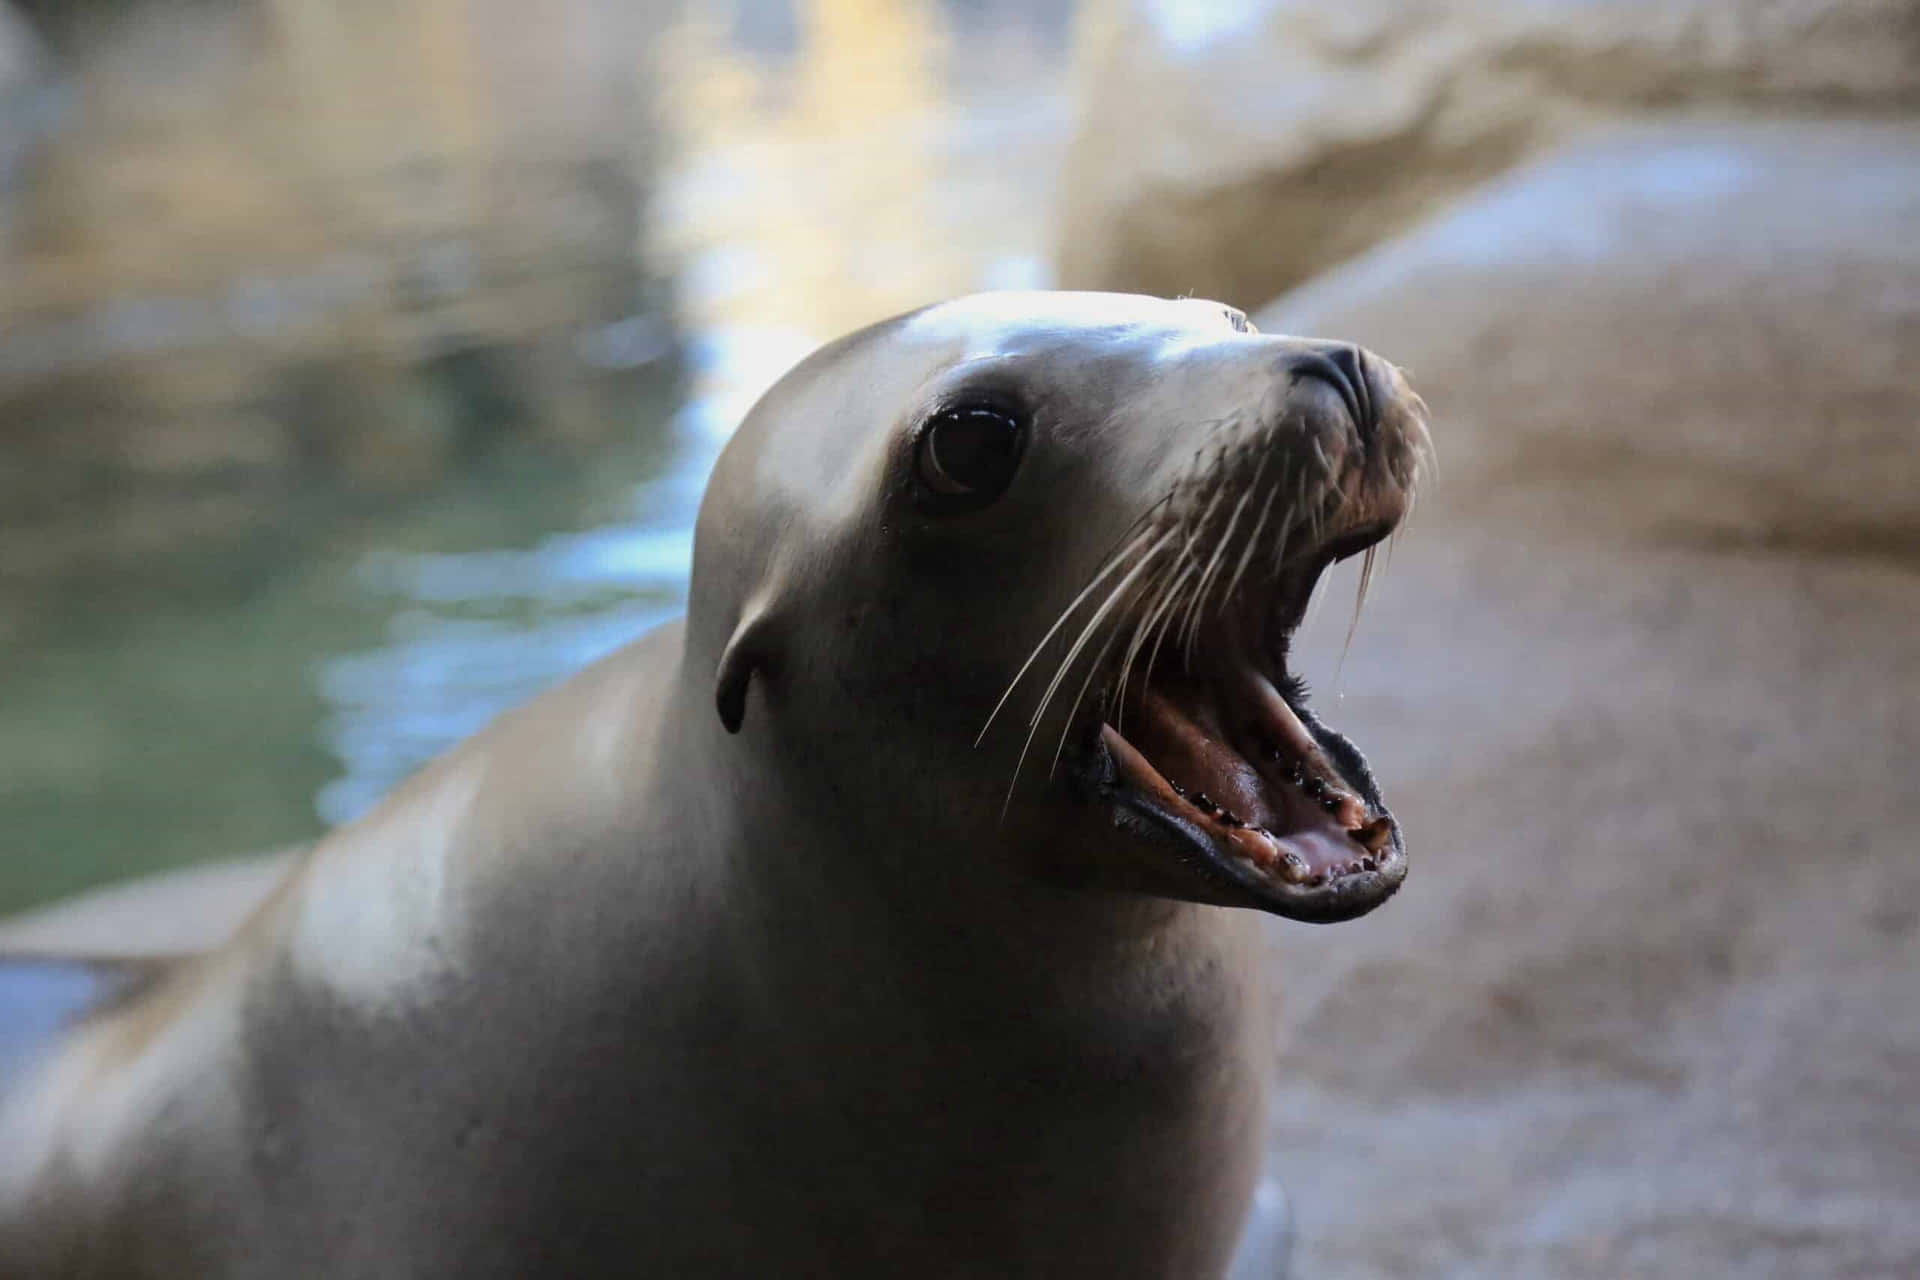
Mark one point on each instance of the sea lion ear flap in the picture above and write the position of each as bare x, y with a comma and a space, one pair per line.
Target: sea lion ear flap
746, 653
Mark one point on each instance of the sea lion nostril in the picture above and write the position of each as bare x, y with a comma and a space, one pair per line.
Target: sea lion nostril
1341, 368
1352, 362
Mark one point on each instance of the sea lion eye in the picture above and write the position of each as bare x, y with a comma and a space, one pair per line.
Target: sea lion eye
966, 457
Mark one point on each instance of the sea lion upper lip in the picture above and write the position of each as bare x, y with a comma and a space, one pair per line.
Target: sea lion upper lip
1352, 539
1295, 587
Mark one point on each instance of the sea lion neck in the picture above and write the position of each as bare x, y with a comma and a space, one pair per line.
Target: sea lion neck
799, 863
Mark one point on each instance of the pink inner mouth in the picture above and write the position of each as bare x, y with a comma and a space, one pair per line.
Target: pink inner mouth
1232, 756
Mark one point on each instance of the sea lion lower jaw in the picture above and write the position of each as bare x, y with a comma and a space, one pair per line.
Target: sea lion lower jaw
1317, 874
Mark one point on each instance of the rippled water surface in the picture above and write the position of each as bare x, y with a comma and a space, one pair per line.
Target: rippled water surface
361, 366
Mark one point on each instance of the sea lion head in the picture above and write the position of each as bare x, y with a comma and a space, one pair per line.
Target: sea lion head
1010, 581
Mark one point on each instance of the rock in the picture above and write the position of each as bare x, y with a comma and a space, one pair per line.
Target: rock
1639, 681
1702, 333
28, 104
1237, 155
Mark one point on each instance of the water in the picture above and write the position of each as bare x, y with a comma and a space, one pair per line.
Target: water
361, 366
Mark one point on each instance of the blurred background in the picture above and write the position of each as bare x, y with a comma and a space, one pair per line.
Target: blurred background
361, 364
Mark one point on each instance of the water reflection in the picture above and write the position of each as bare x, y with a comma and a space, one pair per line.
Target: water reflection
403, 337
545, 611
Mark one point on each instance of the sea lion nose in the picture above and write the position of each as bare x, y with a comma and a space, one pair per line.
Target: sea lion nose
1342, 366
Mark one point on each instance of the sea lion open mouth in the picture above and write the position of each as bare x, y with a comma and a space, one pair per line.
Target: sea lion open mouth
1217, 756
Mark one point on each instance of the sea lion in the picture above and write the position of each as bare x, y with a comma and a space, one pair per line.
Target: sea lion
869, 921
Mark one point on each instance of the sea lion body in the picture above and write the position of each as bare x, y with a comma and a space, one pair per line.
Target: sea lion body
628, 985
280, 1110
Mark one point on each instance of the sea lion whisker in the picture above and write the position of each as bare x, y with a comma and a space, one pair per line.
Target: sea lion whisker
1066, 726
1194, 530
1253, 543
1112, 562
1190, 622
1114, 595
1199, 523
1176, 620
1426, 460
1197, 613
1166, 594
1220, 551
1233, 522
1152, 591
1118, 591
1143, 616
1143, 628
1176, 601
1309, 512
1359, 603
